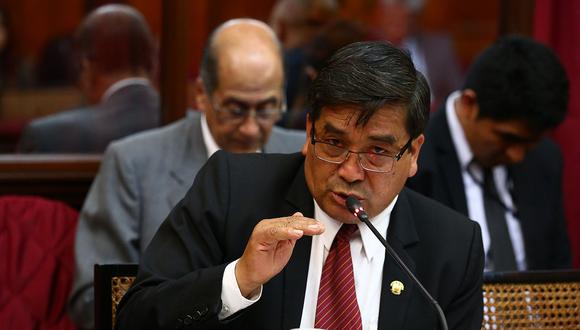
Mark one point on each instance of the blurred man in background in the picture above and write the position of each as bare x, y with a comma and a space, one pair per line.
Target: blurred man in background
296, 23
432, 53
118, 59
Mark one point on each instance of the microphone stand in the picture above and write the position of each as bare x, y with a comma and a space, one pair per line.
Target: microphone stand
356, 208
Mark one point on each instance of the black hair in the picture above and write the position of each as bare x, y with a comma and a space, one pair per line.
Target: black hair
369, 76
519, 78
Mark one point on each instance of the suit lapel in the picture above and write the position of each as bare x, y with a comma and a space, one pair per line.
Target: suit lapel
448, 162
186, 157
401, 234
296, 271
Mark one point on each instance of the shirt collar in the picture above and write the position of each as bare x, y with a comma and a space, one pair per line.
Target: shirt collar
462, 147
464, 152
122, 84
371, 245
210, 144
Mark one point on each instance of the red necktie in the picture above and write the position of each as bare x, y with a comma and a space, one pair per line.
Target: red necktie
337, 306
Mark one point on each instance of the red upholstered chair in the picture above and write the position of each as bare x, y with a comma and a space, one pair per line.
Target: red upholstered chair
36, 262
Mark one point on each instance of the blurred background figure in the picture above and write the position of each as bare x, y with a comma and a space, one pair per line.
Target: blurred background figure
433, 53
296, 22
326, 42
117, 59
6, 64
9, 129
57, 65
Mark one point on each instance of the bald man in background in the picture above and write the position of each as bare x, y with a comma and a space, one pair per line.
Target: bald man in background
240, 93
117, 58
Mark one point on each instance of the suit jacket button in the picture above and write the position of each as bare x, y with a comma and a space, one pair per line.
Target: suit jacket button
187, 320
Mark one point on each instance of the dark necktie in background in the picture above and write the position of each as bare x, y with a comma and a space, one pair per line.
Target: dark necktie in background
501, 251
337, 306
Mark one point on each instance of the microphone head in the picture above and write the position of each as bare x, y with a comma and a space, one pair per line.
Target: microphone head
352, 204
355, 206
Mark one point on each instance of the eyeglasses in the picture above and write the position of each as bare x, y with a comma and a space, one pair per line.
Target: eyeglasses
236, 113
370, 161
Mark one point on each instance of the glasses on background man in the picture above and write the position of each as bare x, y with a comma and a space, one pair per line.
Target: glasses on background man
236, 112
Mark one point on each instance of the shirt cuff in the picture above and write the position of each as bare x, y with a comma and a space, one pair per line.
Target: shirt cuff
232, 299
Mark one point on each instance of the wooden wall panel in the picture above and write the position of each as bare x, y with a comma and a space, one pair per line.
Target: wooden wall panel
34, 22
204, 16
471, 24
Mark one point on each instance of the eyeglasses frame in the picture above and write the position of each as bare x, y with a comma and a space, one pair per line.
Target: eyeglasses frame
396, 157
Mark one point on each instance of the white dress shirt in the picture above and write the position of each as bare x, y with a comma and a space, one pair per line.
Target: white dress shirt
474, 191
210, 144
368, 256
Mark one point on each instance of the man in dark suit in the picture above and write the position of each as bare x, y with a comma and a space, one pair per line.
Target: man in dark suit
245, 248
117, 58
514, 94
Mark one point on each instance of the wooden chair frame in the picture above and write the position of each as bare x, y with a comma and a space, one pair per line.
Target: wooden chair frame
111, 282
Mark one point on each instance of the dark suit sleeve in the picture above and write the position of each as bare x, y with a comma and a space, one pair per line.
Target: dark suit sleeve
180, 275
466, 309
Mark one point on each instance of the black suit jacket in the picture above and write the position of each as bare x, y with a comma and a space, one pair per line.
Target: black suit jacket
180, 275
130, 109
537, 192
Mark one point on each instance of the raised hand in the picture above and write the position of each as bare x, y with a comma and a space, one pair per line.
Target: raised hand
269, 249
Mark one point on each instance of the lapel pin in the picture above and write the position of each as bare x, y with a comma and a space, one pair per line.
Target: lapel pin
397, 287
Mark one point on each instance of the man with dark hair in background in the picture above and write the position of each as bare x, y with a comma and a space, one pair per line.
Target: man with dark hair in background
265, 241
296, 23
118, 58
325, 43
142, 177
486, 155
433, 53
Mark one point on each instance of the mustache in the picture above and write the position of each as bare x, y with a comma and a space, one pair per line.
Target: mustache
346, 189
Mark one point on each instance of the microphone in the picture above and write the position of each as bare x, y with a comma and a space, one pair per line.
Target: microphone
354, 206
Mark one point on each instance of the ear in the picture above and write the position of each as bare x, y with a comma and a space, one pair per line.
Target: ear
308, 132
310, 72
414, 153
468, 104
92, 81
281, 30
201, 98
85, 76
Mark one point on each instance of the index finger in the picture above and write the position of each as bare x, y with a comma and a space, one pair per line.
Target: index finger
293, 227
